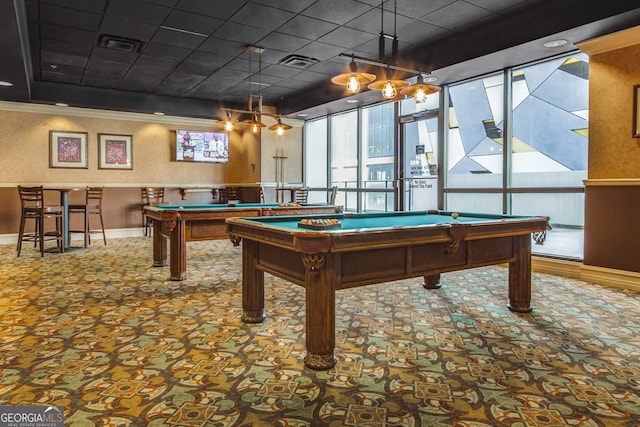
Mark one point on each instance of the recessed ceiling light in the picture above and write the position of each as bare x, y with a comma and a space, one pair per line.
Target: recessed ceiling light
302, 114
429, 79
61, 104
556, 43
159, 113
352, 101
5, 83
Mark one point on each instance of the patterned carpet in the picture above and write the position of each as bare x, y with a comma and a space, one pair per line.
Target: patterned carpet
105, 335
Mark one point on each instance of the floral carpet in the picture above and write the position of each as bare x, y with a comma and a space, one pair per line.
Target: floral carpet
108, 337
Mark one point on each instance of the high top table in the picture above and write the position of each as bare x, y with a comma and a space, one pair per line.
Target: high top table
64, 202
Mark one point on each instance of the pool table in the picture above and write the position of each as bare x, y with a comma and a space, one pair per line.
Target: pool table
185, 223
373, 248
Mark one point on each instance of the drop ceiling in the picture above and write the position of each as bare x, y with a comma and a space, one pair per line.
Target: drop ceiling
190, 57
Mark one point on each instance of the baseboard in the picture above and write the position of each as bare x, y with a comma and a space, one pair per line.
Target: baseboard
609, 277
114, 233
558, 267
587, 273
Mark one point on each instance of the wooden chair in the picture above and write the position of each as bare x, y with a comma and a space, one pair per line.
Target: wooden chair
91, 206
333, 193
228, 193
302, 195
151, 196
33, 207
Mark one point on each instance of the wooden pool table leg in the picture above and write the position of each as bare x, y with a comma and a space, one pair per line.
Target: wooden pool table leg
321, 316
178, 261
159, 245
432, 281
252, 284
520, 275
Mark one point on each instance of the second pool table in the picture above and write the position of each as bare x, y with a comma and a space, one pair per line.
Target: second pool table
375, 248
185, 223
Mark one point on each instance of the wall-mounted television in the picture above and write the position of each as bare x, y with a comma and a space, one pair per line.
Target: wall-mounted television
199, 146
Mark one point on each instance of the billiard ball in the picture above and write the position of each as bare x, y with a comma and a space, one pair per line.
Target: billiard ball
454, 215
180, 208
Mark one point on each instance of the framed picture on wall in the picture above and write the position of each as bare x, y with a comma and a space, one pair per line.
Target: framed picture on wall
68, 149
115, 151
636, 111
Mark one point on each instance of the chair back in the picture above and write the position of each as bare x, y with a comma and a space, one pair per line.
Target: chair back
333, 194
228, 193
31, 198
94, 196
302, 195
153, 195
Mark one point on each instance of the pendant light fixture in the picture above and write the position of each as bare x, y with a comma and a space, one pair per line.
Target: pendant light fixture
255, 122
353, 80
280, 127
389, 87
420, 90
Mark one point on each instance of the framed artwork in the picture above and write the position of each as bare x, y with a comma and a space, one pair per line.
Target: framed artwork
115, 151
636, 111
68, 149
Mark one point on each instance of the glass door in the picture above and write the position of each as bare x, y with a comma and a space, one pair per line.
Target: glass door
420, 180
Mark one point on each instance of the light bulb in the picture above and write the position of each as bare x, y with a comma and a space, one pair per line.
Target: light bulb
353, 85
228, 126
389, 90
279, 131
255, 128
420, 95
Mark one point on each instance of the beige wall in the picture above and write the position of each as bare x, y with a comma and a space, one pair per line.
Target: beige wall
613, 153
24, 144
612, 191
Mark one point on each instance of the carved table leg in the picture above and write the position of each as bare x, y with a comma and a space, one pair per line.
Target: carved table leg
252, 284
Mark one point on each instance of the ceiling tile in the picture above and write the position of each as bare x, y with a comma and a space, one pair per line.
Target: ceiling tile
456, 14
61, 77
69, 17
65, 47
311, 76
306, 27
281, 71
371, 22
94, 6
320, 50
283, 42
347, 37
161, 50
257, 15
290, 5
106, 69
176, 38
336, 11
114, 55
240, 33
418, 31
117, 26
222, 9
222, 47
201, 63
193, 22
137, 11
66, 34
62, 59
177, 84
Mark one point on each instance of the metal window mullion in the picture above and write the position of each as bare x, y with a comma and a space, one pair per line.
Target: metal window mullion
359, 169
443, 142
507, 141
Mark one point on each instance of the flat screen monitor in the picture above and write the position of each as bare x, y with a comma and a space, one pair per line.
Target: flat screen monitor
199, 146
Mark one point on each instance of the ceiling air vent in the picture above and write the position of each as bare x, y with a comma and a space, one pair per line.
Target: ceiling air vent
298, 61
119, 43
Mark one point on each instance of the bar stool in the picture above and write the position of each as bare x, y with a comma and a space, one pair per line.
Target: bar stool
302, 195
152, 196
33, 207
92, 206
333, 194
